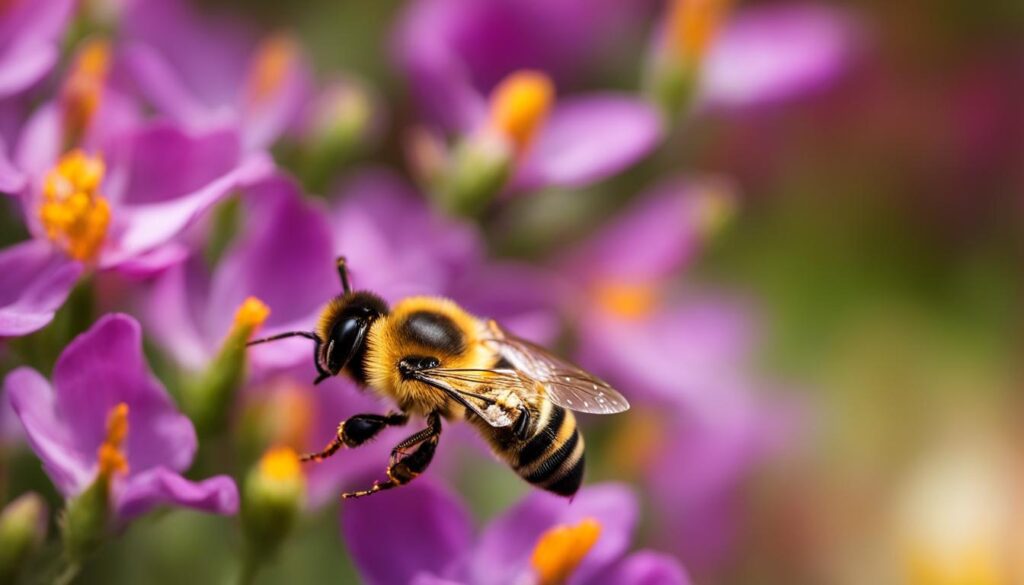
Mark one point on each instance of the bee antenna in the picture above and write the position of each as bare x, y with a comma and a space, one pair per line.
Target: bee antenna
306, 334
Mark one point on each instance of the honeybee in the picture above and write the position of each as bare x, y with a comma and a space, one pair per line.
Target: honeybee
435, 360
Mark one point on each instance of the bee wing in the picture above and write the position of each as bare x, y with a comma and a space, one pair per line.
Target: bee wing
566, 385
472, 389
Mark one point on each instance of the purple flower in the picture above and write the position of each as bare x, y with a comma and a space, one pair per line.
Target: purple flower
122, 209
208, 71
482, 72
635, 328
543, 539
106, 414
30, 36
752, 56
283, 256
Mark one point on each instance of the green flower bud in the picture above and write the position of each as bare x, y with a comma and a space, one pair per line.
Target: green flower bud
477, 171
208, 397
86, 520
22, 532
343, 122
273, 494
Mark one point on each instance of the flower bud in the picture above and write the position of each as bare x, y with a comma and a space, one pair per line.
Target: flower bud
478, 169
86, 520
343, 121
208, 398
22, 532
272, 496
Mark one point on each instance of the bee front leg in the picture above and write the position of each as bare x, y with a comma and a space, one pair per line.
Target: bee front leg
407, 467
356, 430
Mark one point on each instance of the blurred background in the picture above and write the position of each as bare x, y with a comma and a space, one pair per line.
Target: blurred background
870, 258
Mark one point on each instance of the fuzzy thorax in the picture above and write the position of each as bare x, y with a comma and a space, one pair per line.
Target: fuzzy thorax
423, 327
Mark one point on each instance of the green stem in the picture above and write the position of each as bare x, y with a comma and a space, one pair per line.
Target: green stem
68, 573
250, 568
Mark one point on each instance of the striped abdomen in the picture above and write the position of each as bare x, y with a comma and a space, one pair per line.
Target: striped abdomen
552, 457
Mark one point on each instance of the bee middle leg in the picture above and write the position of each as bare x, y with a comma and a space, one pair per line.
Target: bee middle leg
356, 430
405, 467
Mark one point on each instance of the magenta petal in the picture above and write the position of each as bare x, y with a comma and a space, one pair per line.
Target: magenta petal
396, 535
284, 257
161, 84
33, 402
774, 52
22, 67
645, 568
29, 41
646, 242
12, 180
507, 542
104, 367
37, 281
146, 226
587, 139
159, 486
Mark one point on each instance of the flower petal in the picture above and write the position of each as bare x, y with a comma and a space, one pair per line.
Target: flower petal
105, 366
507, 542
160, 486
650, 240
37, 281
31, 33
645, 568
147, 225
285, 258
587, 139
32, 398
774, 52
396, 535
12, 180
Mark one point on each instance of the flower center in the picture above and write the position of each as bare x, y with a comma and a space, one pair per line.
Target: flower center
73, 214
561, 549
280, 463
628, 300
83, 89
692, 26
519, 105
274, 57
110, 454
251, 314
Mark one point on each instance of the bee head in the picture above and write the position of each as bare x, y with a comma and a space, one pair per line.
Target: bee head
341, 333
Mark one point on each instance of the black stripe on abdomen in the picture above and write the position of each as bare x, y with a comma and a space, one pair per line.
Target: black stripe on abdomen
537, 446
554, 465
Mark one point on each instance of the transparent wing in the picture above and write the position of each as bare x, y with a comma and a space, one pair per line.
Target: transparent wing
475, 389
567, 385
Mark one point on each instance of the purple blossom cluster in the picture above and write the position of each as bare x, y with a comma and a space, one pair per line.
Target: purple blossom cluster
165, 160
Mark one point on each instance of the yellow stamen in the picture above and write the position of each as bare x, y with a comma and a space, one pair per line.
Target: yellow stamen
110, 454
519, 106
561, 549
83, 89
274, 58
692, 26
280, 463
252, 313
73, 214
632, 301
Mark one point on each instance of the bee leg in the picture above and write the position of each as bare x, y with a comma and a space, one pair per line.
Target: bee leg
408, 466
356, 430
433, 429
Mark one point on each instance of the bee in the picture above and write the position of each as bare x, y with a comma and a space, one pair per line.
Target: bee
434, 360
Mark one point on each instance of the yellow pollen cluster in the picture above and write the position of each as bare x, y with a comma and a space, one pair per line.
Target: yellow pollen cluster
110, 454
692, 26
519, 106
270, 66
280, 463
252, 313
628, 300
73, 214
561, 549
83, 88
